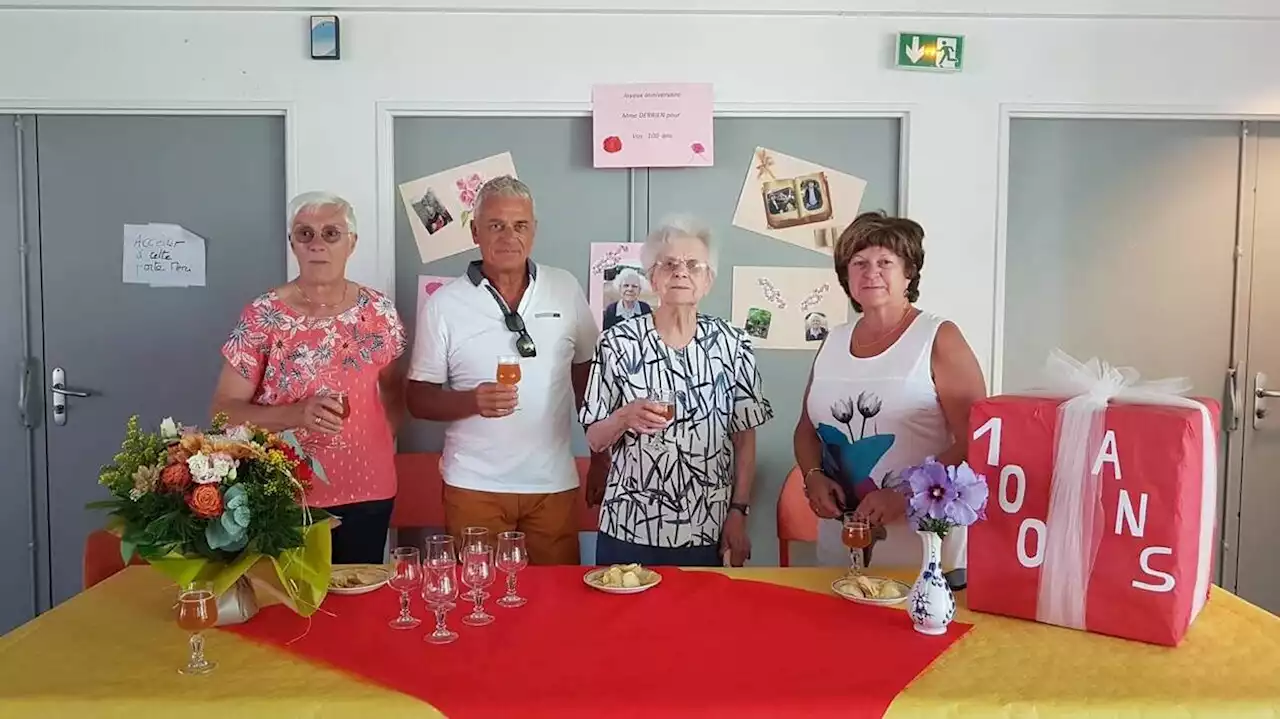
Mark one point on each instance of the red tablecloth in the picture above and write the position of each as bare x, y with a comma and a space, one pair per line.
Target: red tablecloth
699, 644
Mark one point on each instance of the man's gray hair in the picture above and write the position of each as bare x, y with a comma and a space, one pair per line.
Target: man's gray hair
674, 228
315, 200
502, 186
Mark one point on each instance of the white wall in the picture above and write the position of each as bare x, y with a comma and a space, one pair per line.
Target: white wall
1145, 56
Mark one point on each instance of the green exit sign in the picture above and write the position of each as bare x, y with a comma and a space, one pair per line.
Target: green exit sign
918, 51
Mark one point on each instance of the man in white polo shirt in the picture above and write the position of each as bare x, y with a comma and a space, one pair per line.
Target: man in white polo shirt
508, 461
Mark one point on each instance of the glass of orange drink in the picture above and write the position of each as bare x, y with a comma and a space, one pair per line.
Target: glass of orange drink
197, 611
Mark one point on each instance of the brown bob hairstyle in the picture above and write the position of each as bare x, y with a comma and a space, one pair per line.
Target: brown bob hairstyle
899, 235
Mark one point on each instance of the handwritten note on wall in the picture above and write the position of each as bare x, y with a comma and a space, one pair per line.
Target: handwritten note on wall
162, 255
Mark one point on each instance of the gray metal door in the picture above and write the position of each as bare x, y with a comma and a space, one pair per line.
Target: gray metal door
1121, 245
867, 148
1257, 569
17, 533
152, 352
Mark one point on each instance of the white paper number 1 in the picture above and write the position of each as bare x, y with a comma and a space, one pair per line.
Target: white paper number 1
1014, 473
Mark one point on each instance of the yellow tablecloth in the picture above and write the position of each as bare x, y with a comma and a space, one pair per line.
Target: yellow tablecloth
114, 650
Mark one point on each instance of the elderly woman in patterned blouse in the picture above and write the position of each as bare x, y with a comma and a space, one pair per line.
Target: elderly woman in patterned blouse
319, 355
679, 487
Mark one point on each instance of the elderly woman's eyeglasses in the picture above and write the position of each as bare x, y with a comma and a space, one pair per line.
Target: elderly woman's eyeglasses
673, 265
307, 235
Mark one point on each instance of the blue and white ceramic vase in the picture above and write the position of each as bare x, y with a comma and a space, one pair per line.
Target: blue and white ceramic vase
930, 602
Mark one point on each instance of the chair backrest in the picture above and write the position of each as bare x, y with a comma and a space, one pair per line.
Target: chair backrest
796, 520
102, 557
420, 493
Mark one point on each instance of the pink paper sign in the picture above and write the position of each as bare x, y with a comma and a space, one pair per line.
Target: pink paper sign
652, 125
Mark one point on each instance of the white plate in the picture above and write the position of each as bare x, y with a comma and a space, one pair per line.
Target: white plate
591, 577
364, 588
842, 588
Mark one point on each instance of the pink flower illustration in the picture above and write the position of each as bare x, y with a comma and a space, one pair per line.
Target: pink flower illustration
468, 188
697, 148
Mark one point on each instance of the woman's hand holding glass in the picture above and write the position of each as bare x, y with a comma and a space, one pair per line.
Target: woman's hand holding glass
643, 416
826, 497
319, 413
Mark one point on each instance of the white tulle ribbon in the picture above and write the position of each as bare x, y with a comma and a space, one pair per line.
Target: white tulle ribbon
1074, 526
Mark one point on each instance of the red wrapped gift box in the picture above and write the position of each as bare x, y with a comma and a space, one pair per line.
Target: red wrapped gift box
1146, 573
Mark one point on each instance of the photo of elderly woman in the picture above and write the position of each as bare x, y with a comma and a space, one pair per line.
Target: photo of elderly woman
622, 294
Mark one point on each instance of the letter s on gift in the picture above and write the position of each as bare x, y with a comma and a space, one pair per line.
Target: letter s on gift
1167, 582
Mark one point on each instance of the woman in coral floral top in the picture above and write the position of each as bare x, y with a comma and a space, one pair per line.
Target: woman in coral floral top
297, 347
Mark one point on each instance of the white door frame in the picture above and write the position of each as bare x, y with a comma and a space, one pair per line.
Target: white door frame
1229, 520
388, 111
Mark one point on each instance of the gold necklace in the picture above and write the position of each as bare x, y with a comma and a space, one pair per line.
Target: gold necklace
863, 345
323, 305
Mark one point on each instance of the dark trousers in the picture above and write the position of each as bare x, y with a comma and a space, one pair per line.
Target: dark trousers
362, 536
615, 551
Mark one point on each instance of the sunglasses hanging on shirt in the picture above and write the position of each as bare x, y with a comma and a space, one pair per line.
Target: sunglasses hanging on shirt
515, 323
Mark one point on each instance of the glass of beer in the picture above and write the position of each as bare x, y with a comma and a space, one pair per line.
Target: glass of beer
345, 412
856, 535
197, 611
509, 371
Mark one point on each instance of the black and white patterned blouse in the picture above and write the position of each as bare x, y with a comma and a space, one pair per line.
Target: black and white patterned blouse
672, 489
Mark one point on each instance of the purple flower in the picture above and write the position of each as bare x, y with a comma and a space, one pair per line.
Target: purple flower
971, 495
931, 490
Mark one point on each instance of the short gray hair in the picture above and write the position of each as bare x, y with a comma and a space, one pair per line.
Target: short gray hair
502, 186
629, 273
314, 200
674, 228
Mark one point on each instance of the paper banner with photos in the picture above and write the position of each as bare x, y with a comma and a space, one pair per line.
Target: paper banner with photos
787, 308
797, 201
618, 288
427, 286
439, 206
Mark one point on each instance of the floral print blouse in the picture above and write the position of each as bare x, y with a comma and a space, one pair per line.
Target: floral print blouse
290, 357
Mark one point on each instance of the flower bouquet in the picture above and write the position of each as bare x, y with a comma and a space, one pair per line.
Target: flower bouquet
940, 499
207, 506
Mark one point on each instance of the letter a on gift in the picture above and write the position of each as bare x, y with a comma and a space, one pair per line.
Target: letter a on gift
1108, 453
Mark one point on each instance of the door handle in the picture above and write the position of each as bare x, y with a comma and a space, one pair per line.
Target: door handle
1260, 391
1233, 396
58, 386
24, 393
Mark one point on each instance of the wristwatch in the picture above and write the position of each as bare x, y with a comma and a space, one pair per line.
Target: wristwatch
744, 508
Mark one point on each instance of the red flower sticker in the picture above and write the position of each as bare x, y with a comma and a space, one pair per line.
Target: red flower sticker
612, 144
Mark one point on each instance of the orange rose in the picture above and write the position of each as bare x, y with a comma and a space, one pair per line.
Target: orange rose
175, 477
205, 501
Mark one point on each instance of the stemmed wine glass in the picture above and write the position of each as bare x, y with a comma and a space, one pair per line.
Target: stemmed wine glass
856, 535
440, 585
512, 557
664, 403
477, 537
406, 576
197, 611
477, 573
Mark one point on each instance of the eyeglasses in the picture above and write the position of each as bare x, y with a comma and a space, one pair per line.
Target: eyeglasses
307, 235
515, 323
691, 266
524, 343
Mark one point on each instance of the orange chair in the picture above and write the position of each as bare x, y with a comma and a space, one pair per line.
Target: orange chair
796, 520
420, 493
102, 557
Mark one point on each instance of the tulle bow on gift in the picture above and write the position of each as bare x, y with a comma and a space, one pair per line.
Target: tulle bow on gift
1074, 526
